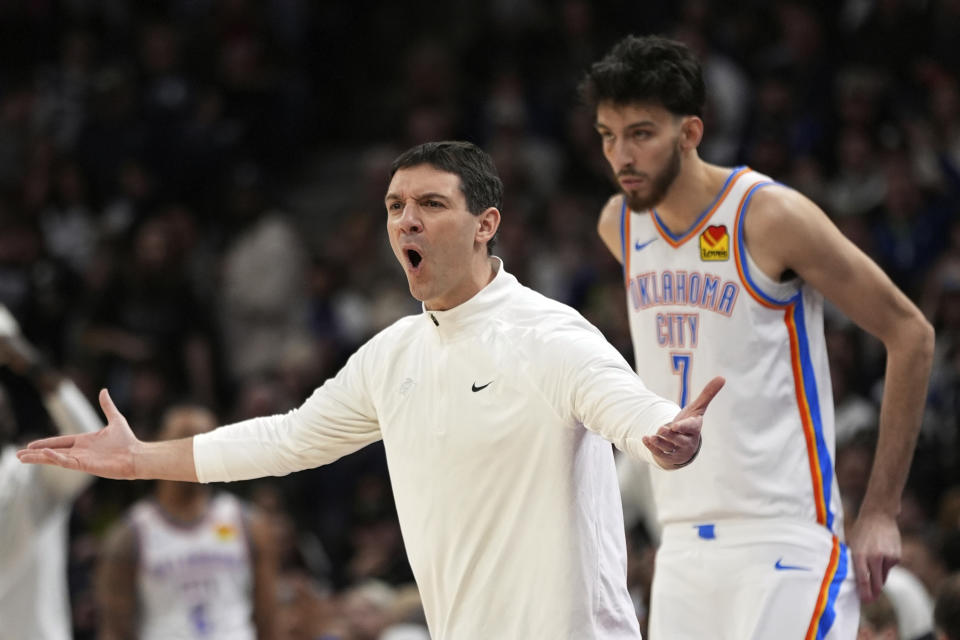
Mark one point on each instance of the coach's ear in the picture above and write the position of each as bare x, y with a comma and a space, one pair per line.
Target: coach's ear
691, 133
487, 224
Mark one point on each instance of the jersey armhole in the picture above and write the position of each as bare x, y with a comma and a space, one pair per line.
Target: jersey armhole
758, 284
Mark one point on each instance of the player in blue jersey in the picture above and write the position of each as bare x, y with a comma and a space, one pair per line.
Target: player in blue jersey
726, 270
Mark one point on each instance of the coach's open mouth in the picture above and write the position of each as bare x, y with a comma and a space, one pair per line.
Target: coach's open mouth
414, 257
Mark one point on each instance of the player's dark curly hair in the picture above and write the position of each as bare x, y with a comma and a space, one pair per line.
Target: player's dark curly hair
647, 69
479, 180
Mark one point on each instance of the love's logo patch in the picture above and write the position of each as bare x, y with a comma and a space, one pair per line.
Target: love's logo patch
715, 243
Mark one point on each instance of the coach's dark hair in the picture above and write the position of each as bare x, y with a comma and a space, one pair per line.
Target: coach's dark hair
647, 69
479, 181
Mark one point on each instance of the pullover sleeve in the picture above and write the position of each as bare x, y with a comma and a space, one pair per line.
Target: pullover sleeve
590, 380
337, 419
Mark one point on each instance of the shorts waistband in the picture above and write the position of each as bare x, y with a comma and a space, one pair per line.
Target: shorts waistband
744, 531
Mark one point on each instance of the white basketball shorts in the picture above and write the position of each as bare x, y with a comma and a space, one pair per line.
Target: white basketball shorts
753, 580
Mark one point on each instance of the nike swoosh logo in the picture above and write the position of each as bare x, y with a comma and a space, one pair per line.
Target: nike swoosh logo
476, 388
779, 566
637, 246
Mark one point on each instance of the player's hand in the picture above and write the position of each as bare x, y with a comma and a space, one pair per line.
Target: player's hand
875, 546
108, 453
676, 444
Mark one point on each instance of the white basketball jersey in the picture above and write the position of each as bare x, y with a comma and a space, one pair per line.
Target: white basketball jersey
699, 307
194, 581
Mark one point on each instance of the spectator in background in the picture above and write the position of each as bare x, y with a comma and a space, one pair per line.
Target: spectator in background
923, 556
69, 228
910, 226
367, 609
942, 296
307, 609
878, 621
853, 411
911, 603
149, 319
859, 184
728, 92
34, 286
261, 309
407, 621
946, 611
35, 503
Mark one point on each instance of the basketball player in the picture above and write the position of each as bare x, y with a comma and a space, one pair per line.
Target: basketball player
726, 270
35, 503
496, 407
187, 562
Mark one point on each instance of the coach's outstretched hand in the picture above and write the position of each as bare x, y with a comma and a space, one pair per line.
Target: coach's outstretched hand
109, 453
676, 445
115, 452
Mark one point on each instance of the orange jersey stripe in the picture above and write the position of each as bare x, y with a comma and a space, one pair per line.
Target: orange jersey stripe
805, 417
824, 594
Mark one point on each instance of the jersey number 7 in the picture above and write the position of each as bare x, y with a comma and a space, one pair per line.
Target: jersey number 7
681, 363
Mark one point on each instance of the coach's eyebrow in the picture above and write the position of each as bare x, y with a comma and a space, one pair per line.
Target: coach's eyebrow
433, 195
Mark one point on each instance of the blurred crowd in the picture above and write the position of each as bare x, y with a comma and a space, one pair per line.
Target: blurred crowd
191, 208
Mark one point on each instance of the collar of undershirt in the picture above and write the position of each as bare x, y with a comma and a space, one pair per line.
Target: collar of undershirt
467, 316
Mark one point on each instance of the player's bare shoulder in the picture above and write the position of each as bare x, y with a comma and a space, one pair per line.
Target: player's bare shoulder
778, 222
608, 225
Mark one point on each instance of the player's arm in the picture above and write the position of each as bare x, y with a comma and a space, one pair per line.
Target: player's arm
608, 226
115, 584
69, 410
820, 254
264, 575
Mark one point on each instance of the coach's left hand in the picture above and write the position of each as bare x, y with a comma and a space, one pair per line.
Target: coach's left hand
676, 444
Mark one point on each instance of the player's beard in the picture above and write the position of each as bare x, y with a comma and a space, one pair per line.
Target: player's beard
659, 184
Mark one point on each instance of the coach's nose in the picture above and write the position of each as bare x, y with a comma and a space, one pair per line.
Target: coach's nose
410, 220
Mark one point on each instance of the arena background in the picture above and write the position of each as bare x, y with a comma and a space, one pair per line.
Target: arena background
191, 207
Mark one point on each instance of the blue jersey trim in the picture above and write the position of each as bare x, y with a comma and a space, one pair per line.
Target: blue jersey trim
813, 401
830, 609
742, 252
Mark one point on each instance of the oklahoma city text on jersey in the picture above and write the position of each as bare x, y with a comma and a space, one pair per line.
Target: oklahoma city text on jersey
703, 291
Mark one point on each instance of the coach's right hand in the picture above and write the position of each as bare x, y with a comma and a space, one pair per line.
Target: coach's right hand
109, 453
115, 452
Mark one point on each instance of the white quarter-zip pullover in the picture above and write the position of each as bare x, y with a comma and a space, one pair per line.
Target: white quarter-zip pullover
496, 418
